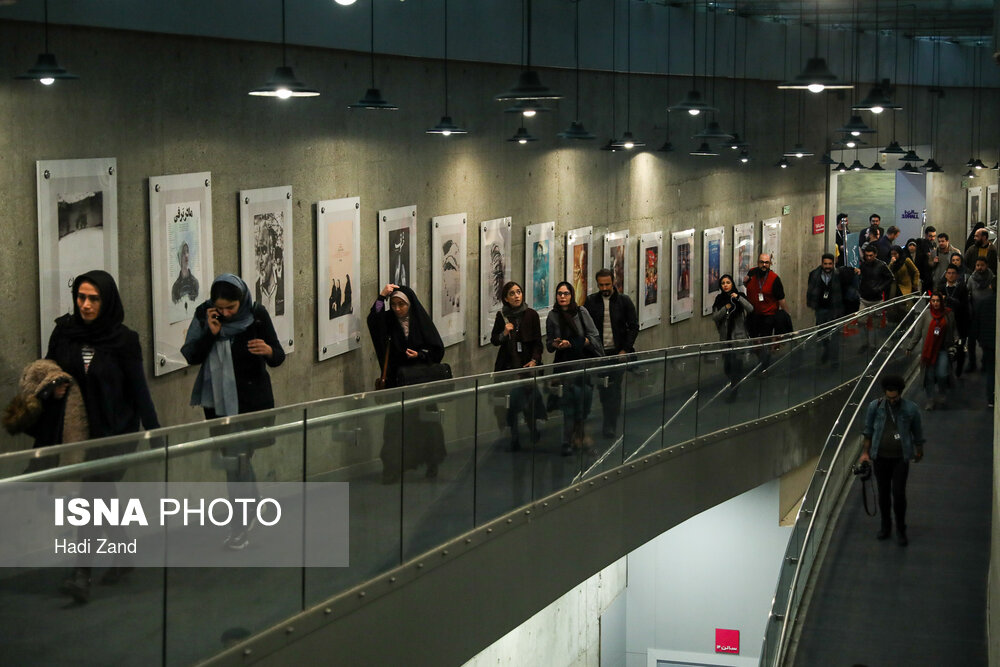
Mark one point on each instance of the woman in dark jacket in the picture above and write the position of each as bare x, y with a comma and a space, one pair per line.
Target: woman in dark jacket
404, 335
234, 341
729, 312
517, 332
105, 359
570, 333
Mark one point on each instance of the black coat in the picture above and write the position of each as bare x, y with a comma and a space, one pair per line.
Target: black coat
527, 332
114, 387
253, 384
624, 321
384, 328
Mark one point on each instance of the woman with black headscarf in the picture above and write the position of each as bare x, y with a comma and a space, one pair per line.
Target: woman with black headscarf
518, 333
570, 333
404, 337
729, 312
104, 357
234, 341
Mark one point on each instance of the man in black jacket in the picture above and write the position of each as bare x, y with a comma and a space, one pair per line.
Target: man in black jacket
616, 320
825, 294
876, 278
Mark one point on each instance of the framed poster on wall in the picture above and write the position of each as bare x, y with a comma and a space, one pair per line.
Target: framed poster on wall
744, 246
770, 241
650, 305
397, 247
449, 254
712, 253
579, 250
494, 271
266, 256
992, 205
180, 240
973, 209
338, 273
616, 259
540, 268
77, 230
682, 275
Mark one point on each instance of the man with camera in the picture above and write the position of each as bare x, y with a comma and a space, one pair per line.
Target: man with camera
893, 437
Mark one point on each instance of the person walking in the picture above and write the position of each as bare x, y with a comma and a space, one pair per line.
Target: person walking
935, 334
875, 280
615, 318
517, 331
982, 286
906, 276
893, 436
104, 358
232, 338
825, 294
729, 312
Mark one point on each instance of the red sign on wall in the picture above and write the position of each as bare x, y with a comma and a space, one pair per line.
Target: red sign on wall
727, 641
819, 224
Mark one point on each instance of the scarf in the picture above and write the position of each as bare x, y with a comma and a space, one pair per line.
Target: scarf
105, 332
513, 314
215, 386
404, 322
932, 343
722, 299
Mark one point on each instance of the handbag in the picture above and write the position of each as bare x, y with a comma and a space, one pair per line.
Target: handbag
421, 373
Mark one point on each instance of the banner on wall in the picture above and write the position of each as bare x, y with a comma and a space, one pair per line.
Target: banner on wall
180, 240
397, 247
770, 242
494, 271
682, 275
616, 259
449, 254
77, 230
713, 251
578, 261
338, 258
649, 303
992, 205
910, 202
540, 268
744, 246
266, 256
973, 209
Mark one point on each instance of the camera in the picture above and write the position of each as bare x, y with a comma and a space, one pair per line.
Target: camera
862, 470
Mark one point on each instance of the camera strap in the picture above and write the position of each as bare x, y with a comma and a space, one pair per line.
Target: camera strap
864, 496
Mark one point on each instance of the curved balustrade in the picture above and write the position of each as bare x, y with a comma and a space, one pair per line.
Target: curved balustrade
182, 615
820, 502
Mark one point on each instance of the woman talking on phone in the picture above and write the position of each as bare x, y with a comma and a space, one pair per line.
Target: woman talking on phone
234, 341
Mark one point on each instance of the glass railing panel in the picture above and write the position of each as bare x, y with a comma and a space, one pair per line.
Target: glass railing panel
726, 396
644, 398
346, 439
681, 397
510, 419
438, 463
567, 446
59, 615
210, 608
774, 369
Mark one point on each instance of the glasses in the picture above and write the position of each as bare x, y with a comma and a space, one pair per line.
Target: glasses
763, 262
563, 294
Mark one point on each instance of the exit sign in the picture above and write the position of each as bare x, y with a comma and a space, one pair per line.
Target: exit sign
727, 641
786, 209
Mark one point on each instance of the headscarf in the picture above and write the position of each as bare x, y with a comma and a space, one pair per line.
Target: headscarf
422, 332
932, 343
902, 253
404, 321
107, 331
513, 314
723, 298
215, 386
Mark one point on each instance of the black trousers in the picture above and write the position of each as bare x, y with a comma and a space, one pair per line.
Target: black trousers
891, 474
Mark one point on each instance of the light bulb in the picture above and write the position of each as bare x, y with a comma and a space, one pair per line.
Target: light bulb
855, 133
345, 3
629, 144
744, 160
528, 113
816, 87
799, 154
979, 166
784, 165
851, 143
522, 141
876, 109
446, 133
694, 112
47, 81
857, 169
283, 93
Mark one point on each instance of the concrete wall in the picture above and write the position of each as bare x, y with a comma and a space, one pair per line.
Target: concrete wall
165, 104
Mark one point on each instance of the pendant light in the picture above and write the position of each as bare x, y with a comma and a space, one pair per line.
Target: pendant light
283, 83
910, 156
529, 85
735, 142
372, 99
522, 136
783, 162
712, 130
877, 100
446, 127
628, 142
668, 146
46, 69
692, 102
576, 130
931, 166
816, 76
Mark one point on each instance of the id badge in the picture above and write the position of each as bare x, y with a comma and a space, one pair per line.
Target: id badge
895, 436
937, 331
760, 297
826, 295
519, 346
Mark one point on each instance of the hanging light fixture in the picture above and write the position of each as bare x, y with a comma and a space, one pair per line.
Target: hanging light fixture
283, 83
692, 103
856, 165
827, 160
667, 146
910, 169
529, 86
932, 167
713, 131
855, 127
893, 148
783, 163
576, 130
876, 167
46, 70
372, 99
527, 108
744, 156
522, 136
816, 77
704, 150
841, 168
798, 151
446, 127
628, 142
877, 100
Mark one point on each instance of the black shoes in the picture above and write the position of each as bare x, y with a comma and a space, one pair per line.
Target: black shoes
901, 537
883, 533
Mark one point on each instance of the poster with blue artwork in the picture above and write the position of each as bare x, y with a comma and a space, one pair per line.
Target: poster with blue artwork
713, 254
540, 268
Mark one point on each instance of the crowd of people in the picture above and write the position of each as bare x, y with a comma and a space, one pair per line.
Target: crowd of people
92, 384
